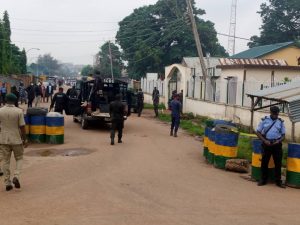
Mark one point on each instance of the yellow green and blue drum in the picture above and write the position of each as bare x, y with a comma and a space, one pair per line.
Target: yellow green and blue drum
27, 122
293, 166
205, 142
37, 129
55, 130
226, 145
211, 146
256, 162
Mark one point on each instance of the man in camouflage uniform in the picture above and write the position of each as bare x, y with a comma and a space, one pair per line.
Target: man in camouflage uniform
12, 139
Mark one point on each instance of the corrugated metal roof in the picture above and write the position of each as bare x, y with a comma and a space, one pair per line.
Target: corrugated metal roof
259, 62
285, 93
289, 93
259, 51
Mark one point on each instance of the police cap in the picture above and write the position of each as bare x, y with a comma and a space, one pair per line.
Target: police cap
11, 98
274, 109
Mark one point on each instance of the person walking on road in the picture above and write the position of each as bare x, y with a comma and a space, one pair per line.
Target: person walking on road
155, 99
49, 92
176, 109
271, 131
117, 113
17, 94
38, 94
22, 93
140, 102
59, 101
12, 140
3, 92
30, 94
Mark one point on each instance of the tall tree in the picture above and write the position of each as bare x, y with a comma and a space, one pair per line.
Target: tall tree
87, 70
104, 62
281, 22
155, 36
8, 47
48, 65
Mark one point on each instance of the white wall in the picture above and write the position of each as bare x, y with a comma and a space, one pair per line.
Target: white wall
237, 114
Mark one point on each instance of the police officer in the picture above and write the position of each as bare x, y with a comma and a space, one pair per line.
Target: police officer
176, 109
155, 99
117, 113
271, 131
11, 140
60, 100
140, 102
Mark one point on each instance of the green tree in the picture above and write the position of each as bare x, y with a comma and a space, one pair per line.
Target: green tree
104, 66
48, 65
281, 22
87, 70
155, 36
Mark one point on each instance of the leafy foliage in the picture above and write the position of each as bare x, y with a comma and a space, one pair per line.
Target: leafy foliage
12, 59
87, 70
155, 36
281, 22
104, 67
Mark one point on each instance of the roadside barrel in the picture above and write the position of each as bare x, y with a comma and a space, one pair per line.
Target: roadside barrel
27, 122
206, 142
226, 144
256, 162
54, 128
293, 165
37, 129
211, 146
223, 122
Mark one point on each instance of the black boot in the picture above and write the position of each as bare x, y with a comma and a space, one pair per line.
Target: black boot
112, 141
120, 141
171, 133
175, 134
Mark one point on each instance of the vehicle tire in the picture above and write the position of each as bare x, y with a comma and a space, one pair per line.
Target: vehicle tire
84, 122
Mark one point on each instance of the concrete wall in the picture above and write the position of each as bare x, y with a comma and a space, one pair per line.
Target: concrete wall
237, 114
148, 99
290, 54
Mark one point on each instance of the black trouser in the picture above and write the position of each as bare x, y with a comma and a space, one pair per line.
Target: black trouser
58, 110
129, 110
276, 152
140, 107
156, 109
117, 125
3, 95
30, 100
47, 97
175, 123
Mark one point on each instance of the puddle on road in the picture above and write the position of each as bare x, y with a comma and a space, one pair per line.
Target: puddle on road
72, 152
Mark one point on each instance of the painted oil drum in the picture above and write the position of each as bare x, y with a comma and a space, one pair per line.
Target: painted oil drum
37, 129
226, 145
256, 162
205, 142
55, 130
223, 122
293, 165
211, 146
27, 123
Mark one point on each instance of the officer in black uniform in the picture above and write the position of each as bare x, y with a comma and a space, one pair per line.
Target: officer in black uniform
271, 131
140, 102
60, 100
117, 113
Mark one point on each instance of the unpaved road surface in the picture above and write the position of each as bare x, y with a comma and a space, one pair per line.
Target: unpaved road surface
151, 178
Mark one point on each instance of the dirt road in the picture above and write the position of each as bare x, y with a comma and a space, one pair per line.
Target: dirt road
149, 179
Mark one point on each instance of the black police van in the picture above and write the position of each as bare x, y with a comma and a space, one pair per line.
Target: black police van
94, 94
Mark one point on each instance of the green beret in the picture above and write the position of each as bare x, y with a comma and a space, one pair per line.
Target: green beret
10, 97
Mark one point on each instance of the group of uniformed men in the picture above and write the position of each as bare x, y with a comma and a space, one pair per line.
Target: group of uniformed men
271, 131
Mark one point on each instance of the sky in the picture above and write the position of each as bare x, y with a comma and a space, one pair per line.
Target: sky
73, 30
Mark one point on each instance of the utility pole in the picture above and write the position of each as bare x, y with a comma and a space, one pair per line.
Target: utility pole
197, 39
111, 62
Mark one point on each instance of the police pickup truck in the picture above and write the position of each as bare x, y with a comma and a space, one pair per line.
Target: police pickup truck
94, 95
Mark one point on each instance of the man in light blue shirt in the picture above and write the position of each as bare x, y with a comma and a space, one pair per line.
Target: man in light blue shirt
271, 131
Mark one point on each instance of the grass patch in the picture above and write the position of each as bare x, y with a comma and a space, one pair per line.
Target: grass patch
150, 106
193, 126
